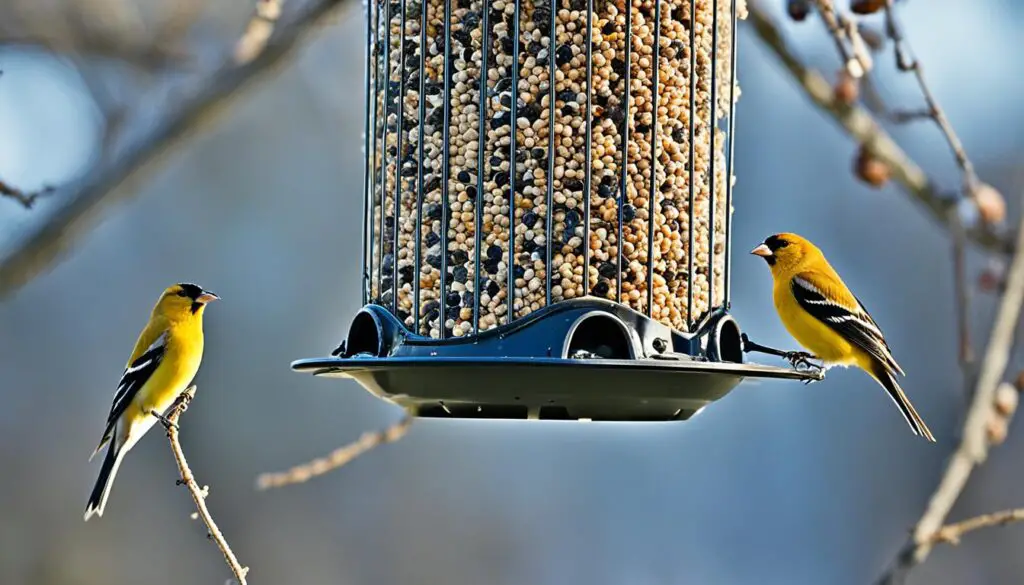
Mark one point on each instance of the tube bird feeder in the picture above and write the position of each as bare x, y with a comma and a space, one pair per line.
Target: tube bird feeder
547, 210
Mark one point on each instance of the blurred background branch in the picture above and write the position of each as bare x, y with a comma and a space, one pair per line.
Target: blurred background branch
146, 36
26, 200
150, 136
335, 459
984, 426
952, 533
880, 153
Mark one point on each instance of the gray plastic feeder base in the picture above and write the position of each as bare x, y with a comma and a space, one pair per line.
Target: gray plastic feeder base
580, 359
545, 388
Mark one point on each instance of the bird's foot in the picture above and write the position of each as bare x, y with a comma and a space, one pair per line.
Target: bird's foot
168, 424
801, 360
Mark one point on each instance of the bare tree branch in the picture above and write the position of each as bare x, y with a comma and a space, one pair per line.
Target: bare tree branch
24, 198
952, 533
962, 298
974, 445
861, 125
120, 179
189, 481
114, 30
258, 31
856, 58
905, 61
337, 458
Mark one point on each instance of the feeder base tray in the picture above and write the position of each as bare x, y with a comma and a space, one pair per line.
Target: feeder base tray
546, 388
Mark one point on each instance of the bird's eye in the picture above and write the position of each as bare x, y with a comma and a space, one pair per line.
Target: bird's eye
781, 244
182, 293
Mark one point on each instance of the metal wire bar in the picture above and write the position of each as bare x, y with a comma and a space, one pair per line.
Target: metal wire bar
549, 241
368, 156
587, 174
625, 149
399, 156
692, 172
712, 127
485, 47
727, 301
510, 295
654, 159
420, 191
371, 236
384, 153
442, 318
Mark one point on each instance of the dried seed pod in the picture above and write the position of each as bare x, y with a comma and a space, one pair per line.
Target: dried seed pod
995, 430
866, 6
846, 89
990, 202
1006, 400
798, 9
870, 169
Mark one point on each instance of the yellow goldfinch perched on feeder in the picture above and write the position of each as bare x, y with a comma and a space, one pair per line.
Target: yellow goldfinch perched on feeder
165, 359
826, 318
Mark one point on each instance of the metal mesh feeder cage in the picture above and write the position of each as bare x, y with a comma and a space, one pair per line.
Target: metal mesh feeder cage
547, 218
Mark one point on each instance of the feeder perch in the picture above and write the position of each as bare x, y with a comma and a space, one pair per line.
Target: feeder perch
549, 240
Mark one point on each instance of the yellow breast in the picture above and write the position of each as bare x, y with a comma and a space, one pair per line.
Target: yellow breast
815, 336
177, 369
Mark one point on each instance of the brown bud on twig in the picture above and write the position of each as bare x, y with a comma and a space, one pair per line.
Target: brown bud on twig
1006, 400
847, 89
1019, 383
870, 169
798, 9
990, 203
995, 430
866, 6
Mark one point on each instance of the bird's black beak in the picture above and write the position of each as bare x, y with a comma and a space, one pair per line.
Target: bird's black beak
762, 250
206, 297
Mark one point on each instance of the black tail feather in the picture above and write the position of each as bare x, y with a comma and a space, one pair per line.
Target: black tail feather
100, 492
888, 381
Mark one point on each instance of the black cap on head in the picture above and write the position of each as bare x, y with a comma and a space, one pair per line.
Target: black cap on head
775, 242
190, 290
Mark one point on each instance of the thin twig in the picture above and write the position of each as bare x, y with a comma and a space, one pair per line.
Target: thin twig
199, 494
965, 351
952, 533
84, 202
856, 58
25, 199
906, 61
862, 126
973, 448
337, 458
258, 31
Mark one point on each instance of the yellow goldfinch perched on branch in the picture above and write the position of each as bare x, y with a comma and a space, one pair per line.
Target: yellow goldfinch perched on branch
826, 318
165, 359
